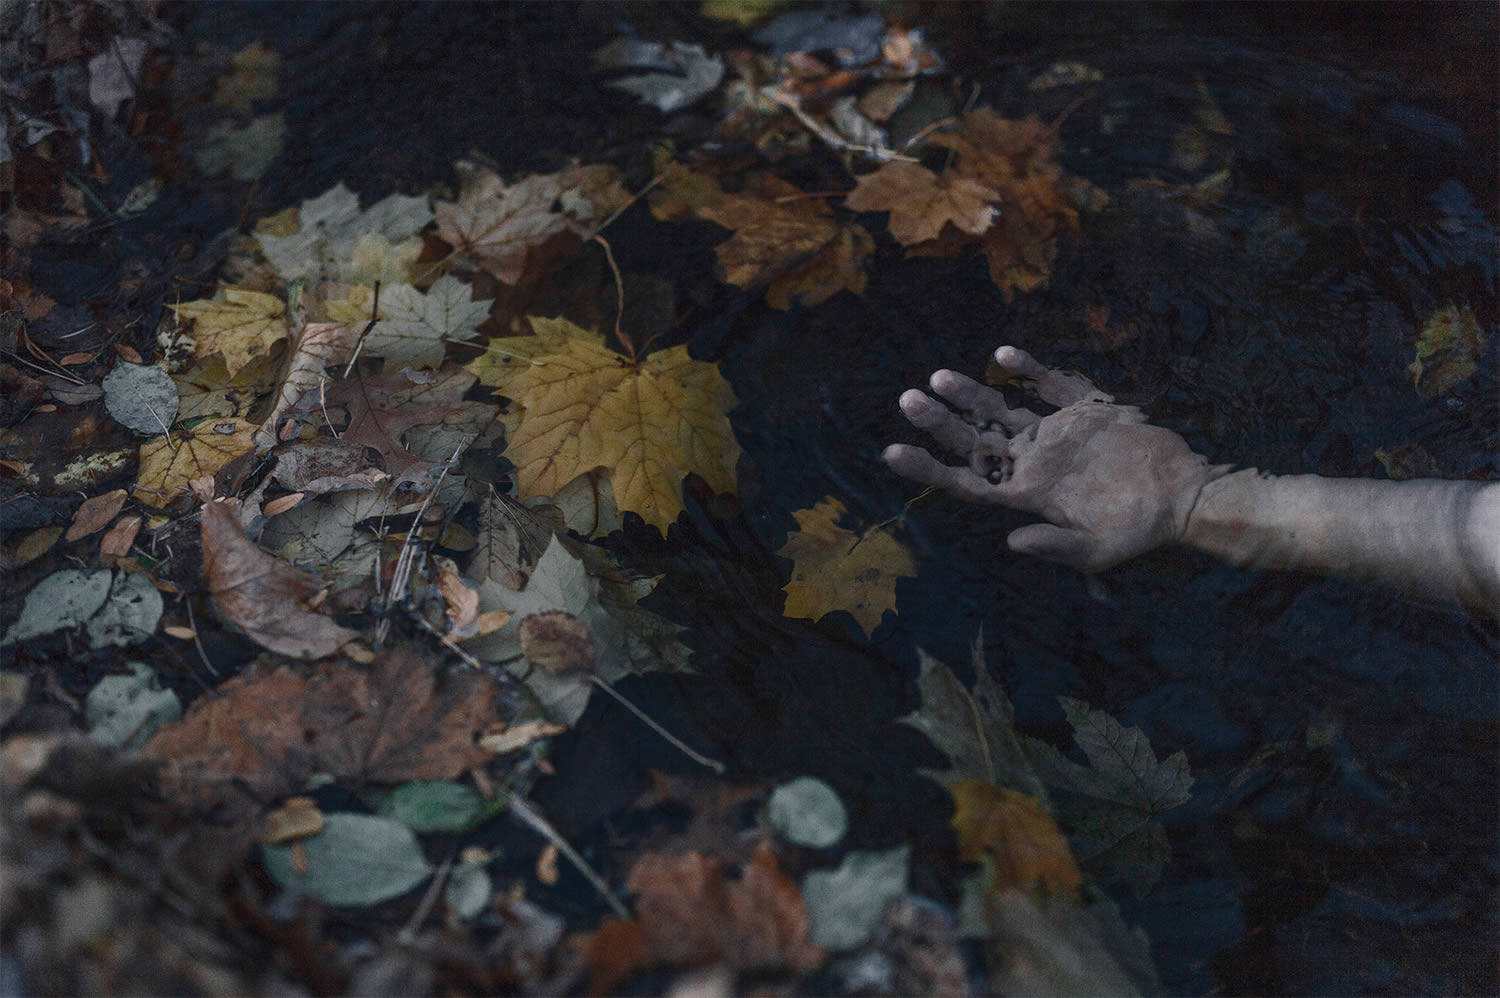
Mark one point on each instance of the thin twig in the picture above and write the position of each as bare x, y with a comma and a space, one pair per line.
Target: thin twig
626, 206
374, 318
835, 141
521, 809
56, 374
198, 642
408, 933
698, 757
626, 341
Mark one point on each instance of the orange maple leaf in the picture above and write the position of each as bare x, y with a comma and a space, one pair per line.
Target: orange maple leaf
784, 240
922, 202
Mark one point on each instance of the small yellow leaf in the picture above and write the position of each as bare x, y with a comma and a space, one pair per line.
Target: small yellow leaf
180, 633
581, 406
835, 569
1447, 352
165, 471
239, 325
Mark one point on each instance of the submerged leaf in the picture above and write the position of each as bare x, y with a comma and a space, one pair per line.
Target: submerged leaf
835, 569
581, 406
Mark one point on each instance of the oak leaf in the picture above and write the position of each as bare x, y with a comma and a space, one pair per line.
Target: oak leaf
169, 463
689, 913
922, 202
262, 594
835, 569
500, 225
238, 325
783, 240
262, 735
579, 406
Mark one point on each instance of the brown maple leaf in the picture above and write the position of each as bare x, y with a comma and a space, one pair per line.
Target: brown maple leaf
689, 913
262, 735
501, 226
264, 595
783, 240
922, 202
382, 409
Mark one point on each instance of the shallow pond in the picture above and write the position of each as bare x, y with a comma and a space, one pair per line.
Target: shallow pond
1294, 192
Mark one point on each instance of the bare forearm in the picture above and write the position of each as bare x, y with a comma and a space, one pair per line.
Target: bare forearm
1433, 539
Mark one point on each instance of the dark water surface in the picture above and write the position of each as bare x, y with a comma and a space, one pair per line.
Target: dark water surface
1342, 835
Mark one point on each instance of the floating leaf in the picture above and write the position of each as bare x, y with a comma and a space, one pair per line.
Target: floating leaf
922, 202
677, 74
331, 225
835, 569
582, 406
357, 860
246, 151
415, 328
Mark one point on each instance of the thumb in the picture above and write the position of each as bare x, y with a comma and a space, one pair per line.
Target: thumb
1060, 544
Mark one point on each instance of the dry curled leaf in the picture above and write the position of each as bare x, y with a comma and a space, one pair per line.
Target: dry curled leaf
261, 593
835, 569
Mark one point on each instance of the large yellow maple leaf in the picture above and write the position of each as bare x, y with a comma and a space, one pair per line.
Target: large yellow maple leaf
835, 569
580, 406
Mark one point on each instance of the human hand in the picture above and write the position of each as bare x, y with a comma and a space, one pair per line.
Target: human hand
1111, 485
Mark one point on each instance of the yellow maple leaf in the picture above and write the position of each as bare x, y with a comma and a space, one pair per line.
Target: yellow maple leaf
580, 406
835, 569
167, 466
238, 325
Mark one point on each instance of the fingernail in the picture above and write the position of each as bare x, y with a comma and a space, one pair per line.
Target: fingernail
915, 403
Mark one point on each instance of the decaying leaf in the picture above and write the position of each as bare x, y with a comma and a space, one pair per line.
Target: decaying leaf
689, 913
262, 594
671, 75
835, 569
263, 734
316, 347
500, 225
168, 464
237, 324
789, 243
581, 406
1020, 838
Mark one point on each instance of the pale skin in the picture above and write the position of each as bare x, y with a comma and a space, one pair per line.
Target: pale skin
1112, 486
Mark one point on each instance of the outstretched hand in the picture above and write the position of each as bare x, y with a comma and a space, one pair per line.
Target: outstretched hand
1111, 485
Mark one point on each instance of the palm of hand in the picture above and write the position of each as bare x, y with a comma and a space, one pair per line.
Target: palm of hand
1111, 485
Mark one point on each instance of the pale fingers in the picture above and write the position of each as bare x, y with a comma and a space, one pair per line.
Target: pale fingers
919, 466
1059, 388
980, 403
950, 431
